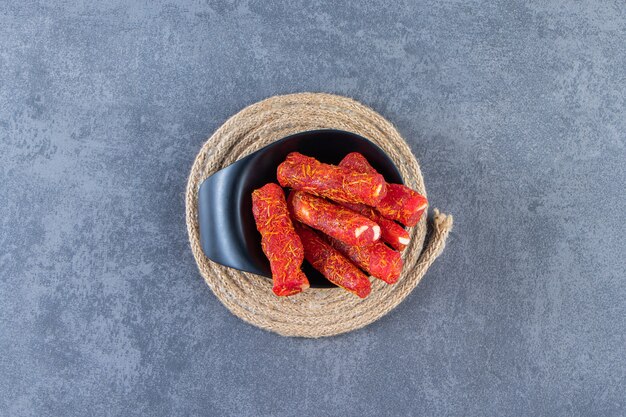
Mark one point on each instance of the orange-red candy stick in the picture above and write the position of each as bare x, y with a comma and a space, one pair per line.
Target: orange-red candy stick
279, 240
332, 264
391, 232
339, 222
379, 260
400, 202
340, 184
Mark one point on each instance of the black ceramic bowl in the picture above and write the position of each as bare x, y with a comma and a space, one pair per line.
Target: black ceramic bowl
227, 231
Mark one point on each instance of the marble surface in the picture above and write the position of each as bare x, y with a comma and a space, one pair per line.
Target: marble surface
515, 110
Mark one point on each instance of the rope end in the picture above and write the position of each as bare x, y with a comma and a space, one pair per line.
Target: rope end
443, 222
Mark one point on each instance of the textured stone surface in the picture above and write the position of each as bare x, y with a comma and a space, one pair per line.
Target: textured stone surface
516, 111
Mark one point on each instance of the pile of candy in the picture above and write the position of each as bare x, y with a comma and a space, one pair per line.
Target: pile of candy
341, 219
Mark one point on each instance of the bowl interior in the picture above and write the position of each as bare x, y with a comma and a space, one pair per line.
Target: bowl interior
227, 229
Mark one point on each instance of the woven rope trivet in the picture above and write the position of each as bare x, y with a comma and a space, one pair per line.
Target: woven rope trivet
317, 312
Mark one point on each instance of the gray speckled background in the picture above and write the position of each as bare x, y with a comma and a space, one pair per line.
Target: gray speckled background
516, 111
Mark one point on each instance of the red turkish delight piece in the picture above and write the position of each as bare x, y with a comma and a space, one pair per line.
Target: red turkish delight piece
340, 184
279, 241
391, 232
332, 219
379, 260
332, 264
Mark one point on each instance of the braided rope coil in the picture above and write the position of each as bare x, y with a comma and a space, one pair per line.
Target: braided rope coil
317, 312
